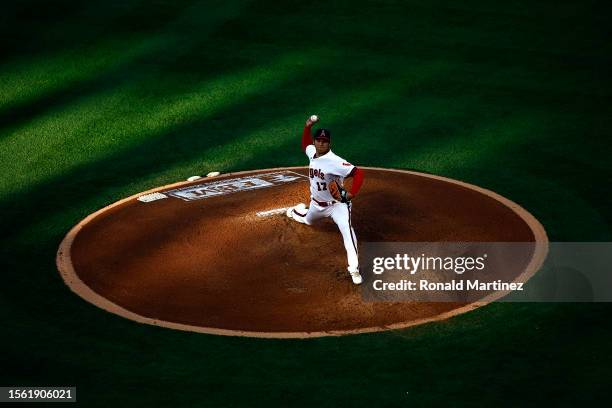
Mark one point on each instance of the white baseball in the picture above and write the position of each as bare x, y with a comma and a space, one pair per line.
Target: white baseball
213, 174
314, 118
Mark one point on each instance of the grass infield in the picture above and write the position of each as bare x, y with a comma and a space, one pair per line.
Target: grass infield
102, 99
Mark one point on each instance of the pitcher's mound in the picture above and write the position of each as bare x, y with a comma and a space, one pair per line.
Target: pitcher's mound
211, 255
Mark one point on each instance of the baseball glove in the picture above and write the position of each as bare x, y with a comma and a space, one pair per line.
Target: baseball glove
338, 192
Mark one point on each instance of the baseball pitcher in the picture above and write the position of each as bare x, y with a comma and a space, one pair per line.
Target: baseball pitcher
328, 198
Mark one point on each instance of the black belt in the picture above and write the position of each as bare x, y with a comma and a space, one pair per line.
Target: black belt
324, 203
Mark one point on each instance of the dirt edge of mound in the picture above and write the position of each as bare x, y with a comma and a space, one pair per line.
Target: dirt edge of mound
70, 277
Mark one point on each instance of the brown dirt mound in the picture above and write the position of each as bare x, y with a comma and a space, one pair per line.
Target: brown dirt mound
212, 265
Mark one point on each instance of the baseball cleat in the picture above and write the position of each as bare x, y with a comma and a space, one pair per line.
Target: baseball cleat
301, 207
357, 279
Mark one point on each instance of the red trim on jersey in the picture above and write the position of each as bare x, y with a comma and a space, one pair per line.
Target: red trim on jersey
306, 137
357, 180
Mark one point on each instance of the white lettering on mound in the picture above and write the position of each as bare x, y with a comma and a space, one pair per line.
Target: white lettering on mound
272, 212
230, 186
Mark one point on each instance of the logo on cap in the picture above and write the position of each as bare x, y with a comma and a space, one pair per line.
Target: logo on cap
323, 134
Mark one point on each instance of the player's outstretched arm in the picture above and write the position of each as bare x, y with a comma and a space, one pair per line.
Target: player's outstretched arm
307, 134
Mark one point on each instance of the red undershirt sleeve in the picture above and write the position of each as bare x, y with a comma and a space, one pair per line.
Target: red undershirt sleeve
357, 180
306, 137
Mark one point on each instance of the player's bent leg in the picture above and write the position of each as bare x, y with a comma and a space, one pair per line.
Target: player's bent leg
342, 217
308, 215
316, 213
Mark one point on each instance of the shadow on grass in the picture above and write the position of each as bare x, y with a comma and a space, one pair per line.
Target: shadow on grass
110, 64
42, 27
160, 152
37, 102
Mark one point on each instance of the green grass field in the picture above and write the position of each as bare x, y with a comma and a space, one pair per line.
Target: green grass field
103, 99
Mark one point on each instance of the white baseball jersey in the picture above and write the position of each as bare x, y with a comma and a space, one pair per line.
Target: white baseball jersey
323, 170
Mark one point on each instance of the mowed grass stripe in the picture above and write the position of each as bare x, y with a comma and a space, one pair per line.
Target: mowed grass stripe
275, 144
121, 118
34, 77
